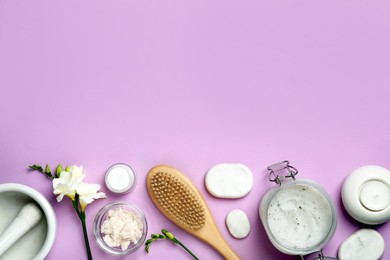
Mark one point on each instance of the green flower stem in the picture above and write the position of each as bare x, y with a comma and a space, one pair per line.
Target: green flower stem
83, 222
170, 236
46, 171
75, 200
82, 216
185, 248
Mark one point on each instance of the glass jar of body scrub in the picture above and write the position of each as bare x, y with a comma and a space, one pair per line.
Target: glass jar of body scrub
298, 215
120, 228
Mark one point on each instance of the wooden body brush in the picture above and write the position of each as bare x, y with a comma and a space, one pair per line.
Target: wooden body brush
181, 202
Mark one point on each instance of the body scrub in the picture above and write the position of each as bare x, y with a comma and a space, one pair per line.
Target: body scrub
121, 228
299, 217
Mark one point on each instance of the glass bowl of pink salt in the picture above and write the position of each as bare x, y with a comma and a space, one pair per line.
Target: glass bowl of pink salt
120, 228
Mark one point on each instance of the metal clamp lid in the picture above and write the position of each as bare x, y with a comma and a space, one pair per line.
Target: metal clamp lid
321, 257
281, 166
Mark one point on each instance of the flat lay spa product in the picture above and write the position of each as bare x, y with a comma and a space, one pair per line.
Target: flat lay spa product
298, 215
366, 194
229, 180
364, 244
120, 178
120, 228
21, 207
238, 224
180, 201
26, 219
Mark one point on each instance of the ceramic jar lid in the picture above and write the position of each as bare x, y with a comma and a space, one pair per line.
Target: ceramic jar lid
366, 194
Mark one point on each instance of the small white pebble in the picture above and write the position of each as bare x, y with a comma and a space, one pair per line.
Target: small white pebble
238, 224
229, 180
364, 244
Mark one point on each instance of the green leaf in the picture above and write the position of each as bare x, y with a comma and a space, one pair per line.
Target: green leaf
67, 169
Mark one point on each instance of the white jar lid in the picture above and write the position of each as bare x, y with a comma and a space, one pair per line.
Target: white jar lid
366, 194
120, 178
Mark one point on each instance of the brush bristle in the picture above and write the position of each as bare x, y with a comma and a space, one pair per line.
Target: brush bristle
180, 200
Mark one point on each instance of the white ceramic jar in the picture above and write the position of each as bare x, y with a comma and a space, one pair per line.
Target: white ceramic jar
366, 194
298, 215
120, 178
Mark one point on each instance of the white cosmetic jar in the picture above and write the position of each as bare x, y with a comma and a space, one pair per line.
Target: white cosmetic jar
298, 215
366, 194
37, 242
120, 178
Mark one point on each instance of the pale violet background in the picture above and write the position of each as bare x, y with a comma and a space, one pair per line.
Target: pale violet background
192, 84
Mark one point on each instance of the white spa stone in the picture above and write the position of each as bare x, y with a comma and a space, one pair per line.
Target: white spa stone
364, 244
229, 180
238, 224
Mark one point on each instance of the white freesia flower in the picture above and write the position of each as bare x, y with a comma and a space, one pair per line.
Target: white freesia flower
88, 193
68, 182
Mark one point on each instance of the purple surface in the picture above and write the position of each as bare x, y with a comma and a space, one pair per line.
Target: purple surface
93, 83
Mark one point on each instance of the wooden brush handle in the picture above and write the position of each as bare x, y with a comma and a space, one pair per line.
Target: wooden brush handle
225, 250
214, 238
